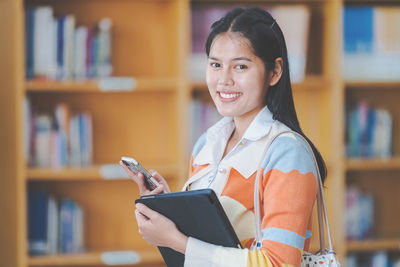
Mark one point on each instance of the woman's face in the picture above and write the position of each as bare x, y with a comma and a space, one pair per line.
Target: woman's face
235, 76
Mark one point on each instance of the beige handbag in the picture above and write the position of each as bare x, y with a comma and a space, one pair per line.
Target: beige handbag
325, 256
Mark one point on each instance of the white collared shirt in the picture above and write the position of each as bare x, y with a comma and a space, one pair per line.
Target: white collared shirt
216, 174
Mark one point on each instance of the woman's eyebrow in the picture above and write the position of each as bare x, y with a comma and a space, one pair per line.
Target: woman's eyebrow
242, 58
234, 59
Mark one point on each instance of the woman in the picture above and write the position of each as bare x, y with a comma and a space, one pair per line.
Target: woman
248, 80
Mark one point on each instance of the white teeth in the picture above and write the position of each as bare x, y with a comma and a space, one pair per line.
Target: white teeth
229, 95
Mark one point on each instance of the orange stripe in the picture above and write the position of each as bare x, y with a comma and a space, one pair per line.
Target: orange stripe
289, 199
194, 170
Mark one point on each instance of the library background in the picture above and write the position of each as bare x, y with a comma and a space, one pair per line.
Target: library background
85, 82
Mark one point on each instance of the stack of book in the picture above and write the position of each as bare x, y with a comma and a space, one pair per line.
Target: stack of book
369, 132
59, 139
54, 227
58, 49
371, 43
294, 21
359, 214
375, 259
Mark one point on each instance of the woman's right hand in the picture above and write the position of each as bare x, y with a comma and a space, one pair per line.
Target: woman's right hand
139, 179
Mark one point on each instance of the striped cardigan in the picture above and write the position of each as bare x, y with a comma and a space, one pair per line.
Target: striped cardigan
288, 192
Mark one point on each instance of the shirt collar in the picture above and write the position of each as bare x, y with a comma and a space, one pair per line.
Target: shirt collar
260, 126
219, 133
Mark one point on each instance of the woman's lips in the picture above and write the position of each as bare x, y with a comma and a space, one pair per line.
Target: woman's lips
229, 96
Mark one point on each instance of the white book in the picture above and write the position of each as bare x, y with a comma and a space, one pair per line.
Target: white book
295, 23
80, 53
88, 123
77, 229
42, 140
52, 225
69, 28
383, 134
52, 52
104, 34
43, 18
74, 142
380, 259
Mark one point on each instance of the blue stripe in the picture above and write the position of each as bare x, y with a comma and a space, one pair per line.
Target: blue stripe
287, 154
284, 236
308, 234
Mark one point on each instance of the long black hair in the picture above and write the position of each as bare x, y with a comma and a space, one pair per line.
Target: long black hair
268, 43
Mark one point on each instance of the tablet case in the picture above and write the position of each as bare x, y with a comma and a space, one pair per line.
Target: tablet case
196, 213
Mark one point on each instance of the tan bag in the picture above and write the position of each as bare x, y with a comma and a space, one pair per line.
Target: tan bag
325, 256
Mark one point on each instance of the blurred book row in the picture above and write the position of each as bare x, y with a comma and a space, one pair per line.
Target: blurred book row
204, 114
59, 49
294, 21
58, 139
359, 214
369, 132
54, 226
371, 43
375, 259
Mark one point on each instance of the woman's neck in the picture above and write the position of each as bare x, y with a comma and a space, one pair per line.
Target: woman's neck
243, 122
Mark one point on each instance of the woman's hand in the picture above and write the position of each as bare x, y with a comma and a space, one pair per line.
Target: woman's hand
139, 179
158, 230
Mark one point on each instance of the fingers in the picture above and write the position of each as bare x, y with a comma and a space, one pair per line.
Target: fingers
145, 211
158, 190
160, 180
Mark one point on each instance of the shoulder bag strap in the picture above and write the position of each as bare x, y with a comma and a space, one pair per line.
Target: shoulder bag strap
321, 206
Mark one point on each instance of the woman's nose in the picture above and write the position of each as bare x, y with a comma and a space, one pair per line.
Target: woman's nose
225, 77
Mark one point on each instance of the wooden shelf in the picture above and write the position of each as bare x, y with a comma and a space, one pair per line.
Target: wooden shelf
93, 173
144, 84
373, 164
85, 259
375, 2
309, 83
263, 1
373, 245
367, 85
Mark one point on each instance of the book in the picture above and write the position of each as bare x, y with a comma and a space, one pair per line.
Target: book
359, 215
29, 39
294, 22
371, 43
58, 139
57, 48
37, 222
368, 132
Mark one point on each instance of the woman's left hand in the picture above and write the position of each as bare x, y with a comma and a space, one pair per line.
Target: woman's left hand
158, 230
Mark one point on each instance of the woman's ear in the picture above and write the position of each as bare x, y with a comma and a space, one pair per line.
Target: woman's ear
276, 73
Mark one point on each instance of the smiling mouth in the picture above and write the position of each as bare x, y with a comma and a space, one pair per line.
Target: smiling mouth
228, 97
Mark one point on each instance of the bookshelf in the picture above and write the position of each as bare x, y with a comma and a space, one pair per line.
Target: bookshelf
377, 177
159, 101
147, 120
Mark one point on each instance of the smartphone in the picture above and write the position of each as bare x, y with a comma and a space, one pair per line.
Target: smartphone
150, 182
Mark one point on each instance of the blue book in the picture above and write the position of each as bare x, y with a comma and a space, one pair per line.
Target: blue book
60, 47
66, 222
371, 124
358, 29
29, 33
37, 222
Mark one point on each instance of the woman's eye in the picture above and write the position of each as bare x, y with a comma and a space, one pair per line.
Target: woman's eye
241, 67
215, 65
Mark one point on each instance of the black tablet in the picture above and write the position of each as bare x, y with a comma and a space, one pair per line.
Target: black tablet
196, 213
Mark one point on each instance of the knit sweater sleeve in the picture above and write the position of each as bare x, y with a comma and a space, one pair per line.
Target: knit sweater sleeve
289, 190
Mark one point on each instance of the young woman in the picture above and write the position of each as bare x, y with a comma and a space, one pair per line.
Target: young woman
248, 80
